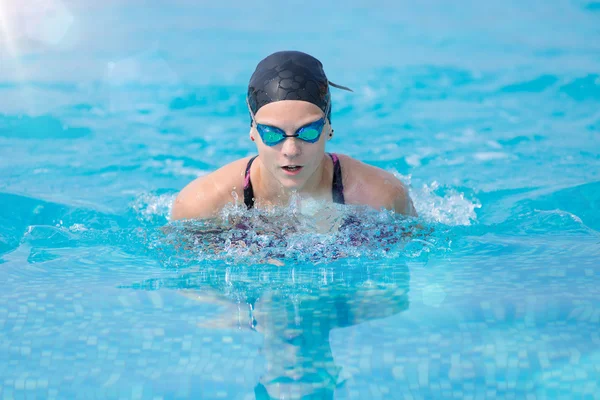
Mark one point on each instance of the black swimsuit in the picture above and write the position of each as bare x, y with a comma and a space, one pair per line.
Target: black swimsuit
337, 187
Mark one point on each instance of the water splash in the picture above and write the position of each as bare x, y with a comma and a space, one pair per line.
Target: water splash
285, 235
153, 208
305, 231
436, 204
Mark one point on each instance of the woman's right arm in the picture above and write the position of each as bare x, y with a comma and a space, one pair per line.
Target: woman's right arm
197, 200
206, 196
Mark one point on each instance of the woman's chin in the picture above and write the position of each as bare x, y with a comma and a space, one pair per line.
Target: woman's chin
292, 182
291, 185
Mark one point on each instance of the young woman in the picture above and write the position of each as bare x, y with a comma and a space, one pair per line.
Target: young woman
290, 109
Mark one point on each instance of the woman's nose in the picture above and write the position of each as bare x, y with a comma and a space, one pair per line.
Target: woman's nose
292, 147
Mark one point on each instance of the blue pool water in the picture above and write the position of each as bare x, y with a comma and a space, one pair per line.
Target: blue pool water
489, 110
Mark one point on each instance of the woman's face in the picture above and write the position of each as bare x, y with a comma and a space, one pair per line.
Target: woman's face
293, 162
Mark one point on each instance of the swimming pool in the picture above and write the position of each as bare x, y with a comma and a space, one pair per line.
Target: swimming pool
489, 110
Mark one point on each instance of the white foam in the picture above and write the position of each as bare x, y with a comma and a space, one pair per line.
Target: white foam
175, 167
78, 228
149, 206
413, 160
490, 155
451, 208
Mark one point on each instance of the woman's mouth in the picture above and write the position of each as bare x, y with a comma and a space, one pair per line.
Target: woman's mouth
292, 169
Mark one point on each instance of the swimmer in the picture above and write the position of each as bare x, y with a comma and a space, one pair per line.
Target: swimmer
290, 111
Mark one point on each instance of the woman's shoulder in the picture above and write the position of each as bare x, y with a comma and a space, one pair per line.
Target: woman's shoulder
358, 171
234, 169
374, 186
206, 195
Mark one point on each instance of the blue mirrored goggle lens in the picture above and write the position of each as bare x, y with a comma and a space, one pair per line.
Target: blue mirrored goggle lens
311, 133
271, 135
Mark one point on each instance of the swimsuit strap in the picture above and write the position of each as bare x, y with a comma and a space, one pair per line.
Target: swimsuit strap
337, 186
248, 191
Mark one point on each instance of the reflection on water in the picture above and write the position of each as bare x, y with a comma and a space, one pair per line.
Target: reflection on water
293, 274
295, 309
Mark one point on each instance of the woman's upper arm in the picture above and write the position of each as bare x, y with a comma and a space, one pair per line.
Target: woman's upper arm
202, 198
194, 201
373, 186
207, 195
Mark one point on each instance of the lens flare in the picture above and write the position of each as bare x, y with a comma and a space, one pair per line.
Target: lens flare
6, 40
33, 22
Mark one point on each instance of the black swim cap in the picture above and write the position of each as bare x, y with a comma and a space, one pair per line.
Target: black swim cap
290, 75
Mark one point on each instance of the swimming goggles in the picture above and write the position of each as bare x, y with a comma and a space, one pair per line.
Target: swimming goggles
272, 135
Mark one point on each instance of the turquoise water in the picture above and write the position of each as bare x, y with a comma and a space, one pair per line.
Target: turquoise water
490, 111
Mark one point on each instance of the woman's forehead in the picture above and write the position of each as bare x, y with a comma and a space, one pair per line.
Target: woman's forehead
288, 112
